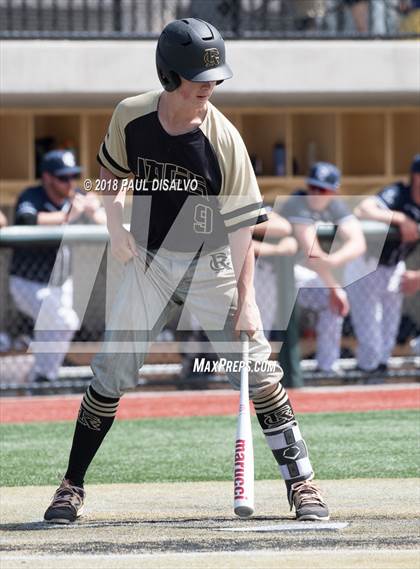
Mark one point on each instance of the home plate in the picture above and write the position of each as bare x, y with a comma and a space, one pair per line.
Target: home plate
298, 526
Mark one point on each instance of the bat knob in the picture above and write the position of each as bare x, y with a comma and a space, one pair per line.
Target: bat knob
244, 511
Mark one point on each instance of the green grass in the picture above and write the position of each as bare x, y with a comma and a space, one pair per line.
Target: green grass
342, 445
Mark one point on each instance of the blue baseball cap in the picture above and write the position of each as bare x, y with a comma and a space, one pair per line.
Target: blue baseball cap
60, 163
324, 175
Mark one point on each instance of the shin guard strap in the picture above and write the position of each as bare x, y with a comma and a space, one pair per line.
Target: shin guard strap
290, 451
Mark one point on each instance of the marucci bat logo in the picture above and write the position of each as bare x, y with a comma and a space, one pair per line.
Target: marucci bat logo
239, 485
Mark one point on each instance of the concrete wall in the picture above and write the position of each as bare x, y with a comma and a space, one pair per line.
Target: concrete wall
271, 72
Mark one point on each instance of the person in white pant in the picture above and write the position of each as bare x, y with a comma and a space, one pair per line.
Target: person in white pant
271, 240
317, 285
376, 299
410, 285
40, 277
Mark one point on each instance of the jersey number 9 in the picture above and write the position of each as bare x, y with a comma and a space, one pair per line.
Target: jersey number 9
203, 219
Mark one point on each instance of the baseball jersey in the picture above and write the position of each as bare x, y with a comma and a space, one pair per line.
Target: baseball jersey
397, 197
190, 190
37, 263
298, 210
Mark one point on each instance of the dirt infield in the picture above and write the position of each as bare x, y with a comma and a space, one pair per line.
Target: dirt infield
190, 525
374, 523
223, 402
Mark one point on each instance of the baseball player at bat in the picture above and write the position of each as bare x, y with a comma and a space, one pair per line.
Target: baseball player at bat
195, 201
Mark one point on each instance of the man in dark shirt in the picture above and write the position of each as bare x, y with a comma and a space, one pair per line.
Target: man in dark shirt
318, 287
40, 277
376, 299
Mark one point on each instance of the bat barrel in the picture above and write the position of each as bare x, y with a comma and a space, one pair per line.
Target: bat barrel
244, 453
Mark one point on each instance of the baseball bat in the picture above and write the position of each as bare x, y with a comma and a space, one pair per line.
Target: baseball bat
244, 453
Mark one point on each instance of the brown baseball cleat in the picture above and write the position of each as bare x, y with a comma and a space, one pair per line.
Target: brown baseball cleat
66, 505
308, 502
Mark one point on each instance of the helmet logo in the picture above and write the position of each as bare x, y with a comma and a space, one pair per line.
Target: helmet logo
211, 57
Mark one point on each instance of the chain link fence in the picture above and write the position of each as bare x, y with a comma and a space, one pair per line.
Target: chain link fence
74, 321
236, 19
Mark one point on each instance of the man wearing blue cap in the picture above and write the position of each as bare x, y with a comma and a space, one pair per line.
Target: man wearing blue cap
318, 288
41, 276
376, 300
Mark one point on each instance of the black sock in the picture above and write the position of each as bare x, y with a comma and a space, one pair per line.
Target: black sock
96, 415
274, 410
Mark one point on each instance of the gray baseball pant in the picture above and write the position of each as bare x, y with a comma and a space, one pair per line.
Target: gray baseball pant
145, 302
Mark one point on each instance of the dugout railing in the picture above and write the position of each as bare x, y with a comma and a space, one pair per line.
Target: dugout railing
163, 366
236, 19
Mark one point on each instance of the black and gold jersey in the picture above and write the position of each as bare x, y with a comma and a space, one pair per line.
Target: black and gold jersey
189, 190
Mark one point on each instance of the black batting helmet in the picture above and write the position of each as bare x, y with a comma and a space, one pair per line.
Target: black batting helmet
193, 49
